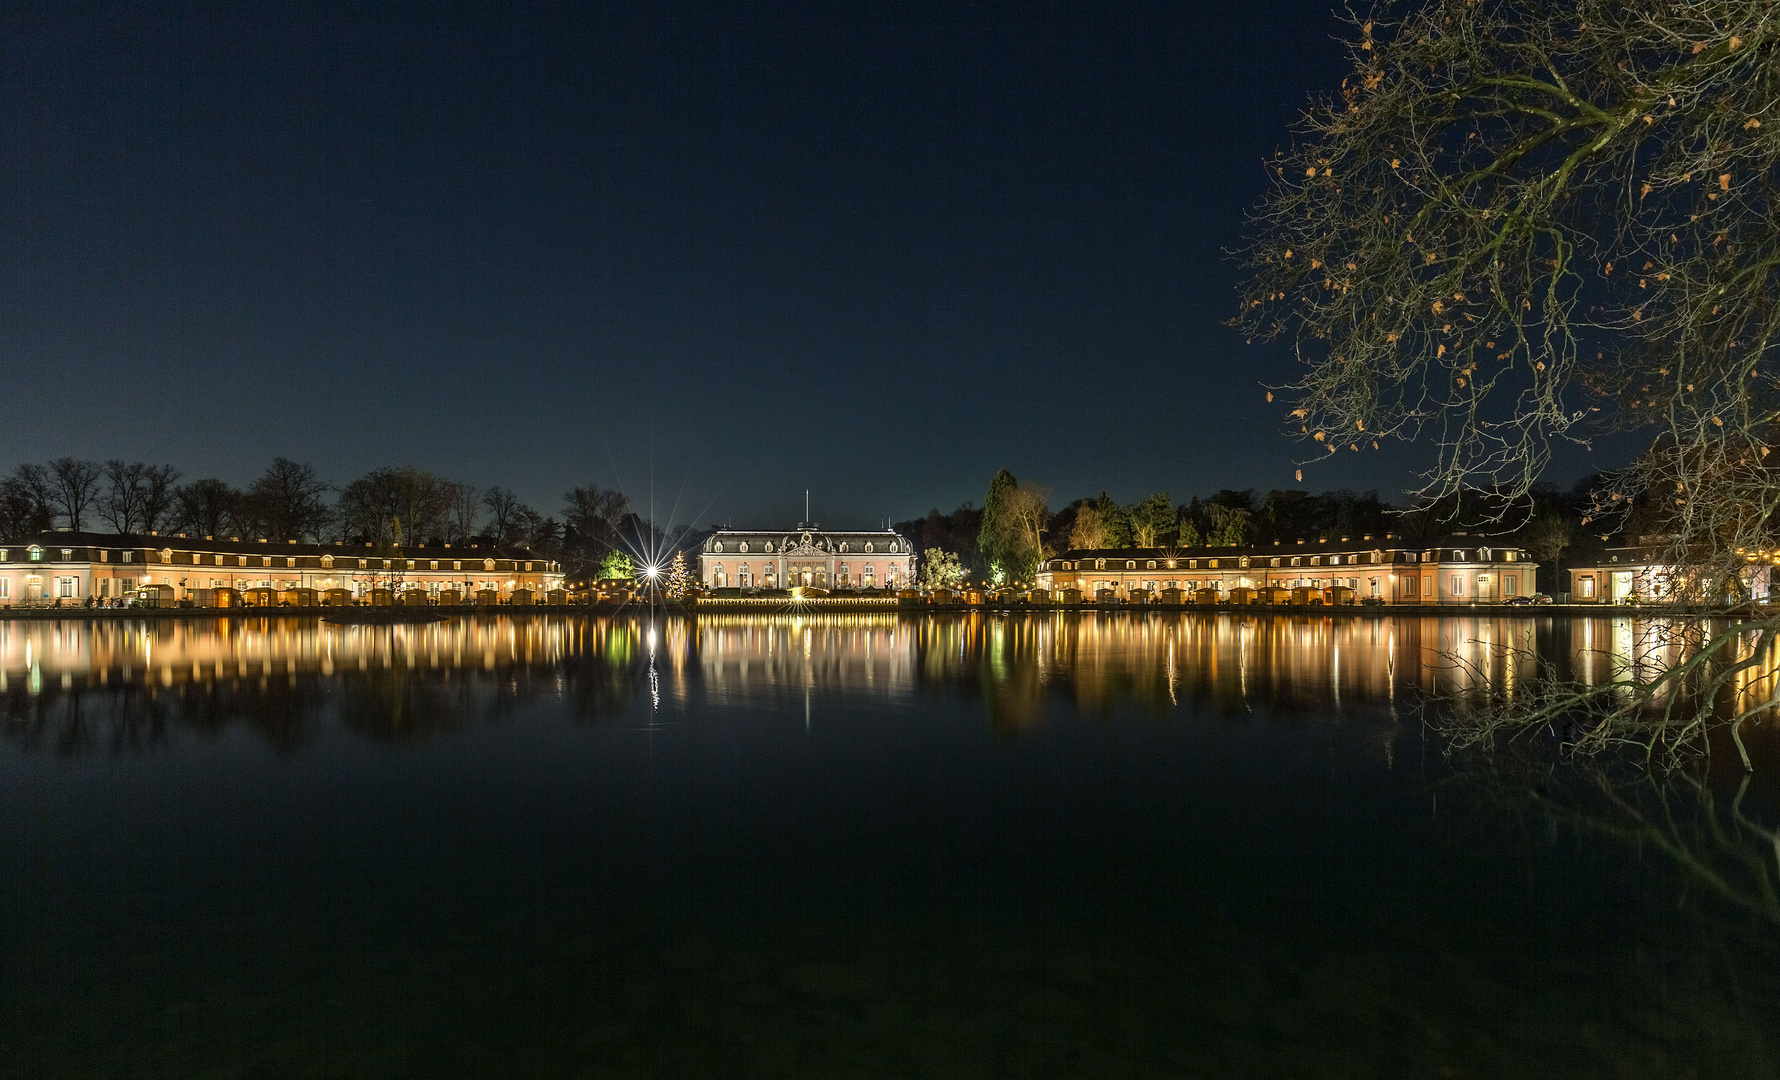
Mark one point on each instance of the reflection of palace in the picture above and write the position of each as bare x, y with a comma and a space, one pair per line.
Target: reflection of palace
70, 567
1436, 570
741, 656
807, 555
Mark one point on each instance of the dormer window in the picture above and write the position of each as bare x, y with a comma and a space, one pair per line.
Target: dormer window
167, 556
488, 565
718, 546
869, 548
742, 547
67, 553
1100, 564
769, 545
327, 562
1458, 556
843, 545
1152, 565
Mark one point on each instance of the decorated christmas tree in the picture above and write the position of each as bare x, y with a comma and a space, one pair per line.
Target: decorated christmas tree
677, 579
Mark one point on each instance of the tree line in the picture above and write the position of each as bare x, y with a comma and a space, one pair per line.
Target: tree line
1015, 531
290, 502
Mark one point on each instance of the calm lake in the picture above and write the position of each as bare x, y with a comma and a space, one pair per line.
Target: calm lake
1117, 845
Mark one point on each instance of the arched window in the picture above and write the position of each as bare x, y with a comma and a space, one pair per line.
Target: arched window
742, 547
1100, 564
1152, 565
327, 562
769, 545
488, 565
718, 546
843, 545
869, 547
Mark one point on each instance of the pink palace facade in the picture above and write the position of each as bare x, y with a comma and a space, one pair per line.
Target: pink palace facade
805, 556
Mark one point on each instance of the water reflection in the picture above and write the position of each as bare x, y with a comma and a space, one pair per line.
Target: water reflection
81, 686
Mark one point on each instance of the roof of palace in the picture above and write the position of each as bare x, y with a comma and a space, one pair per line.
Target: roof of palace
237, 546
1320, 546
808, 540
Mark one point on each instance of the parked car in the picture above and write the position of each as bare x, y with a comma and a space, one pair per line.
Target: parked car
1528, 600
1372, 601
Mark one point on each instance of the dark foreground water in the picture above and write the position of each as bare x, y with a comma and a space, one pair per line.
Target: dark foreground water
849, 846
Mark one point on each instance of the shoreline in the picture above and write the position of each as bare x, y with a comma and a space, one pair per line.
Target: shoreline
396, 616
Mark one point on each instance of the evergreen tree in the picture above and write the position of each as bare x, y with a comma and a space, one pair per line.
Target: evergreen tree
677, 577
994, 541
1115, 522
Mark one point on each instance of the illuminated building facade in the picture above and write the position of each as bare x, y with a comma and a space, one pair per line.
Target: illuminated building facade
71, 566
1397, 570
806, 556
1639, 573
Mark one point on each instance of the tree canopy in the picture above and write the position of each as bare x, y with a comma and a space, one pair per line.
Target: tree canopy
1519, 222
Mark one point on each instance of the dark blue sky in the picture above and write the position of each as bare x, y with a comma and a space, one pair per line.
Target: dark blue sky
874, 250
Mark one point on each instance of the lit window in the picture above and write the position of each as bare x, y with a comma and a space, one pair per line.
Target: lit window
1458, 585
35, 554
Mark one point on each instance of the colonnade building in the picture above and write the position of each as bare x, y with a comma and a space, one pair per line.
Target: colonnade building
805, 556
72, 566
1394, 569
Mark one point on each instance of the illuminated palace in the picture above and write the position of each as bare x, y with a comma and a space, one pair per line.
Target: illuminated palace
71, 566
1394, 569
807, 556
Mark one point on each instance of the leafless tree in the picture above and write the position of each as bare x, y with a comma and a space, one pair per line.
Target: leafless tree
207, 507
503, 509
122, 504
159, 496
1088, 532
1523, 222
26, 503
74, 487
288, 501
595, 516
462, 502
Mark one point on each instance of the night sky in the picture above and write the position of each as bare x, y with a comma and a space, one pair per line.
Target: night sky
877, 251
